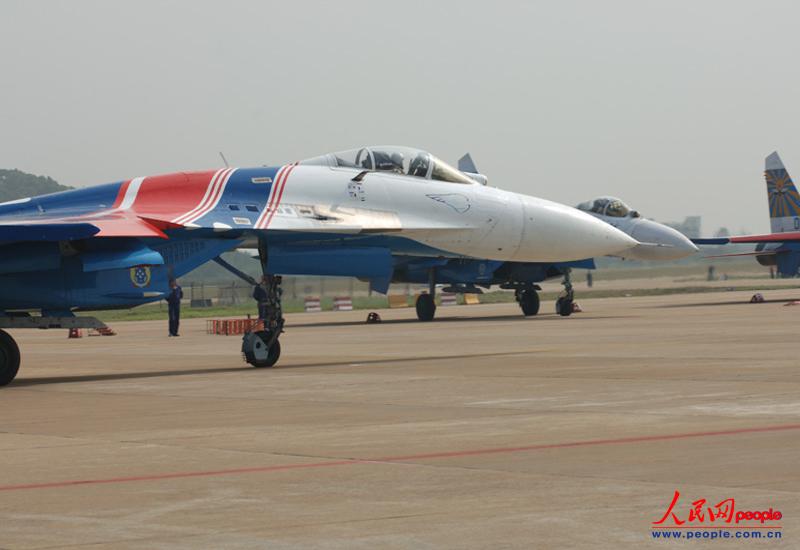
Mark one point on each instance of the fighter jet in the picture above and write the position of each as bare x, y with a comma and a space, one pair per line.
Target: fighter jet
781, 247
656, 242
363, 213
467, 275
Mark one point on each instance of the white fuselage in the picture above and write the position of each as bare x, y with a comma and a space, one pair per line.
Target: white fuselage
470, 220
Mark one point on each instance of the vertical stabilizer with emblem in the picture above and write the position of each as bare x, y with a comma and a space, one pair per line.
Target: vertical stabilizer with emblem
784, 201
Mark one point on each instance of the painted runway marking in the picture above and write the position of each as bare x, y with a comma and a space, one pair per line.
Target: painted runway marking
398, 459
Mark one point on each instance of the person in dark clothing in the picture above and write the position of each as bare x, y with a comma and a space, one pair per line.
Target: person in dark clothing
261, 296
268, 295
174, 303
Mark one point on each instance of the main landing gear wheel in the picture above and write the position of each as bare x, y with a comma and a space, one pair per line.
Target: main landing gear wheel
261, 349
528, 302
426, 307
426, 303
9, 358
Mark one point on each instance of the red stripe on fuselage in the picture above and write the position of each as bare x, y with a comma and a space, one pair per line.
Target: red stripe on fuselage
170, 195
271, 198
216, 196
280, 195
210, 199
123, 188
209, 190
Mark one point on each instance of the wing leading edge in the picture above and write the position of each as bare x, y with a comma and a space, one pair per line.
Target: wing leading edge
110, 224
785, 237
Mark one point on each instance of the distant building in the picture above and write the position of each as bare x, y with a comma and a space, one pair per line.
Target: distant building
689, 227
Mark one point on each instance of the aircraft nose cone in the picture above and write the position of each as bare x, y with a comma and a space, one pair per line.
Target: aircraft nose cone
671, 243
558, 233
683, 244
605, 237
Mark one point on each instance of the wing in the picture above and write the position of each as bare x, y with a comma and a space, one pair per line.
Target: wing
786, 237
757, 253
112, 223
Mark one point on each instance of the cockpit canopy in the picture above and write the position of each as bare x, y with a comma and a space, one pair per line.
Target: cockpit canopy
399, 160
608, 206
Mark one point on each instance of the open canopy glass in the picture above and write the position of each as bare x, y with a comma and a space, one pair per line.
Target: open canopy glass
397, 159
608, 206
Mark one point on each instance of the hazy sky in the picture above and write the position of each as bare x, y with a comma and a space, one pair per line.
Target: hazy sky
670, 105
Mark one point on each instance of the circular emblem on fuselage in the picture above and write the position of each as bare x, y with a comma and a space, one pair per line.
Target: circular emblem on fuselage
140, 275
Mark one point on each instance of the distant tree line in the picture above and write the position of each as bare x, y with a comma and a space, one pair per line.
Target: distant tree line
15, 184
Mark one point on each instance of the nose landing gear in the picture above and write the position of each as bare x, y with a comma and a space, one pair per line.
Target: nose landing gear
566, 297
262, 348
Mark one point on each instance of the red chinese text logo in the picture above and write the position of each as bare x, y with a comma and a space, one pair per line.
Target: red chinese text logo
723, 512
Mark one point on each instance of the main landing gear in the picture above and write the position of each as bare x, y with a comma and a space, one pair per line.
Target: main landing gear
426, 303
9, 358
528, 300
9, 351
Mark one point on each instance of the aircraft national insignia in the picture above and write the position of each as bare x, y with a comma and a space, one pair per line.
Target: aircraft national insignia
140, 276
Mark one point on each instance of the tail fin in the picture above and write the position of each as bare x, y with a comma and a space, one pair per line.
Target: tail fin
465, 164
784, 201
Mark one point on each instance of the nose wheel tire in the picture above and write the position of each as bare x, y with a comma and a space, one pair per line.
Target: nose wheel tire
258, 351
426, 307
9, 358
564, 307
529, 302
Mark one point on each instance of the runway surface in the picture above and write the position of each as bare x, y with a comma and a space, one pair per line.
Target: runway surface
482, 429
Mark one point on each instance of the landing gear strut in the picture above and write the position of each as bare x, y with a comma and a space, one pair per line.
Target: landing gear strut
426, 303
566, 297
9, 358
